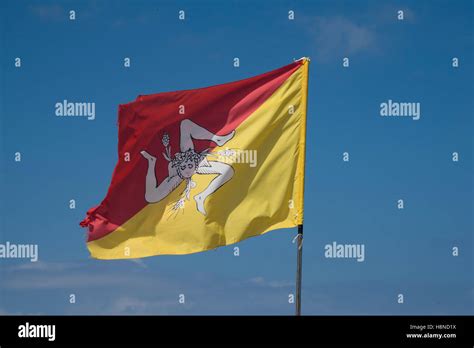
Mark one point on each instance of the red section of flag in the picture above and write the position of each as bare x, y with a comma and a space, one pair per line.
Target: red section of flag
142, 124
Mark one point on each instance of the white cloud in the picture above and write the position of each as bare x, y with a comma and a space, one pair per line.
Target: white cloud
43, 266
48, 12
123, 288
77, 275
66, 281
139, 262
340, 36
260, 281
133, 305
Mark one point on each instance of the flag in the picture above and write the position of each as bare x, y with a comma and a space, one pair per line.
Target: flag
203, 168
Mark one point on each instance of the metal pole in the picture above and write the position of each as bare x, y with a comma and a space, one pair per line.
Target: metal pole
299, 260
299, 265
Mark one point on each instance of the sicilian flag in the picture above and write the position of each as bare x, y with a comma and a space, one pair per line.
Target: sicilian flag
207, 167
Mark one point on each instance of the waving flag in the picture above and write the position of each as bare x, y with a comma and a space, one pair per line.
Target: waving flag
207, 167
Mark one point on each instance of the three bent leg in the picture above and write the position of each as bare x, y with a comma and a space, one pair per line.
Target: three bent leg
190, 130
225, 171
154, 193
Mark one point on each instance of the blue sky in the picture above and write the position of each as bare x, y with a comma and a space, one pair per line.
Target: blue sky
407, 251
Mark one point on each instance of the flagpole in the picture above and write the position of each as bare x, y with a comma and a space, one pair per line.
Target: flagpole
299, 237
299, 265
